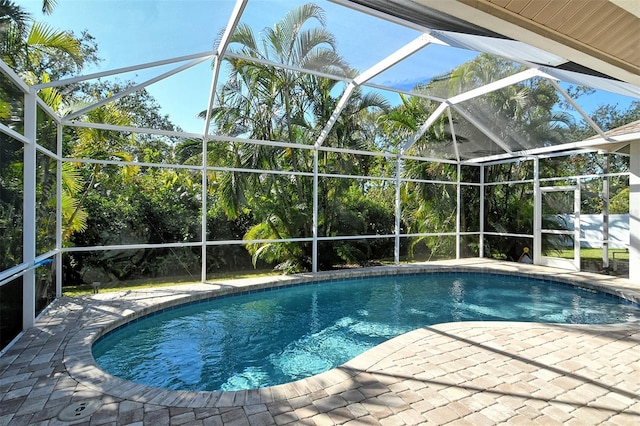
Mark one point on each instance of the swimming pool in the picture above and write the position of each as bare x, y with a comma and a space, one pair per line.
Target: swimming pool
271, 337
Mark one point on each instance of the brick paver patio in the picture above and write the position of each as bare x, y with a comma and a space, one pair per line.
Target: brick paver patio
477, 373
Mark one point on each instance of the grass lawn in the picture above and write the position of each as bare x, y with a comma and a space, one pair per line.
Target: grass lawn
84, 289
592, 254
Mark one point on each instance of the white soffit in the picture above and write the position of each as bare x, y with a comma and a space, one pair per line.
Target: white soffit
472, 11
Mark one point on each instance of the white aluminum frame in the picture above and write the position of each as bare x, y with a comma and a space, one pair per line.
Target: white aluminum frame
556, 262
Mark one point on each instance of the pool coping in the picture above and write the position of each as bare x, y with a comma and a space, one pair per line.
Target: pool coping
81, 366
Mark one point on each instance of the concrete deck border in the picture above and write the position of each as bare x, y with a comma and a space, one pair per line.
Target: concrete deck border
94, 316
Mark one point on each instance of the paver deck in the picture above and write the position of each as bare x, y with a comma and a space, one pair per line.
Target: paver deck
475, 373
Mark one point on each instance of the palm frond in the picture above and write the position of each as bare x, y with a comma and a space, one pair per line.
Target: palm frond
72, 179
74, 218
50, 95
244, 36
12, 14
48, 6
42, 38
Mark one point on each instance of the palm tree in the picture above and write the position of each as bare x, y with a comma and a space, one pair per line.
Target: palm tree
274, 103
290, 42
74, 217
426, 208
26, 42
99, 145
24, 46
268, 103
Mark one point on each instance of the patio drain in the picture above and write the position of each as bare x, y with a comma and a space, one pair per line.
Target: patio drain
79, 410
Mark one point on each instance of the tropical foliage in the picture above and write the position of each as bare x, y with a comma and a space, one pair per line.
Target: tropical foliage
124, 188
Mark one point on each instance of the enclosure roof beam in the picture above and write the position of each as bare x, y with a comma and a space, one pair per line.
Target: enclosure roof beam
432, 118
405, 92
480, 91
484, 129
287, 67
453, 134
130, 129
234, 19
43, 105
388, 62
397, 56
589, 143
10, 132
577, 107
562, 149
132, 89
123, 70
496, 85
348, 91
15, 78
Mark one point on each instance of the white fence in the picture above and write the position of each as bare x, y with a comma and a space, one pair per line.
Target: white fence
591, 230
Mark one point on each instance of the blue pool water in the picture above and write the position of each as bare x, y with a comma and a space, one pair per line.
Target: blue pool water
266, 338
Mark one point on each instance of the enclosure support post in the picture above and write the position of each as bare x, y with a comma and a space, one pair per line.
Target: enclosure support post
29, 212
577, 197
59, 240
314, 250
481, 242
459, 213
605, 214
236, 14
203, 213
205, 155
537, 213
396, 248
634, 213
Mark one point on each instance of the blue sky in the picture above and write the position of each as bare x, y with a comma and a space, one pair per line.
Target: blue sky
130, 32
